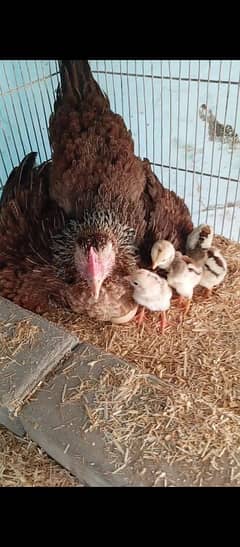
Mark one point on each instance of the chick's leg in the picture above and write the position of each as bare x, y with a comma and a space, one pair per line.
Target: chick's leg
163, 321
140, 317
184, 303
207, 293
180, 301
187, 306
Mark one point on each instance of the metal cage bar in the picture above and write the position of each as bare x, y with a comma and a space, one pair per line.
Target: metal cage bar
164, 104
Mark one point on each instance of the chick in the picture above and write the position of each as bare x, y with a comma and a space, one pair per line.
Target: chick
214, 269
151, 292
183, 272
201, 237
183, 276
199, 248
162, 254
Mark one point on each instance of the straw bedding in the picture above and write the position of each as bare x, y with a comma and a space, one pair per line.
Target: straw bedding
180, 402
14, 336
23, 463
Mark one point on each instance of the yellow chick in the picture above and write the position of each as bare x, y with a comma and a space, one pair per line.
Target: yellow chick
151, 292
162, 254
184, 275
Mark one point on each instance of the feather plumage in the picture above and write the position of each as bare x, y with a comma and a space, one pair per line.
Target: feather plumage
38, 245
93, 155
89, 217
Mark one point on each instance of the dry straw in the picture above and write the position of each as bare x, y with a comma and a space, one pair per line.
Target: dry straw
180, 402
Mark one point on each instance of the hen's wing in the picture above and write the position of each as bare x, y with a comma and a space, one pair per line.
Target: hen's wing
17, 178
27, 221
166, 214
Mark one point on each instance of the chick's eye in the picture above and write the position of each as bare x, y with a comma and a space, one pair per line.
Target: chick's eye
135, 283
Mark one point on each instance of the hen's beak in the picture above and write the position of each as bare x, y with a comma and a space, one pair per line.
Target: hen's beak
95, 276
95, 286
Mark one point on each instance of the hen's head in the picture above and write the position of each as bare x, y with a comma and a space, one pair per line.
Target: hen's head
95, 248
95, 261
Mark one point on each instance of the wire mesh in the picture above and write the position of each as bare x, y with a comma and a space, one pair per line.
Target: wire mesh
183, 116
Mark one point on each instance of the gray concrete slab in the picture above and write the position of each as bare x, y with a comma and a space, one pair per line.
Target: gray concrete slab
24, 365
56, 367
59, 423
11, 422
58, 426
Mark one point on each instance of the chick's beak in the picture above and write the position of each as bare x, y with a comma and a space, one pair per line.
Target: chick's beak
154, 265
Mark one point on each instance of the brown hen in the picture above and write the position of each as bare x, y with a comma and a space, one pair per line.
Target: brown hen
96, 173
38, 250
107, 210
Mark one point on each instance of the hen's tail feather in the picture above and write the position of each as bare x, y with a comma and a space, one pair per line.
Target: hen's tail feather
77, 81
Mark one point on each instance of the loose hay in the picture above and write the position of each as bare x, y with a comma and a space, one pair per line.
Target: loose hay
23, 463
13, 336
191, 413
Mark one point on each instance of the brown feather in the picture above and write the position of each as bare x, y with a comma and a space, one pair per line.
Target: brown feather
27, 221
